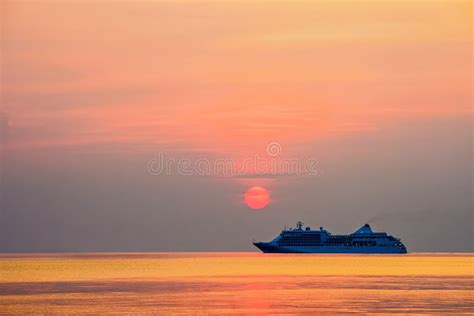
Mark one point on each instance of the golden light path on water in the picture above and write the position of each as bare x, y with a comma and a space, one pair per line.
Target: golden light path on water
241, 283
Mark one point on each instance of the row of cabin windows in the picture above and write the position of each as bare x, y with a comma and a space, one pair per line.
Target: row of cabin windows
327, 245
299, 241
363, 243
308, 242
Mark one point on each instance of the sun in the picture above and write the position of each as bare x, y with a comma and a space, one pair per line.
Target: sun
257, 198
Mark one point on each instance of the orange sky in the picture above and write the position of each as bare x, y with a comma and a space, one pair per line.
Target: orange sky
228, 77
378, 93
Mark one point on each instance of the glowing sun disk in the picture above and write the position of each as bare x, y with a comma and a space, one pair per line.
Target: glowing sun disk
257, 197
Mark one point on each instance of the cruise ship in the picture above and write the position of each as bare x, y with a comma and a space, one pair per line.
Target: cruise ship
306, 240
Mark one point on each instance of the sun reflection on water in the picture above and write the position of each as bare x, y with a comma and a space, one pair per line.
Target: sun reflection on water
244, 283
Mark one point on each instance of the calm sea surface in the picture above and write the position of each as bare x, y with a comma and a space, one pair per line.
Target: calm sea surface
236, 283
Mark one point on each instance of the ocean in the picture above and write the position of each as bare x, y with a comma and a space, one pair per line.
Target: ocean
236, 283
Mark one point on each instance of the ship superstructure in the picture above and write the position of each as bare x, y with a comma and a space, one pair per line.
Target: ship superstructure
306, 240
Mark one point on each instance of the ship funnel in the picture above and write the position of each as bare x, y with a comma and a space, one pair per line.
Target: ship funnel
364, 230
